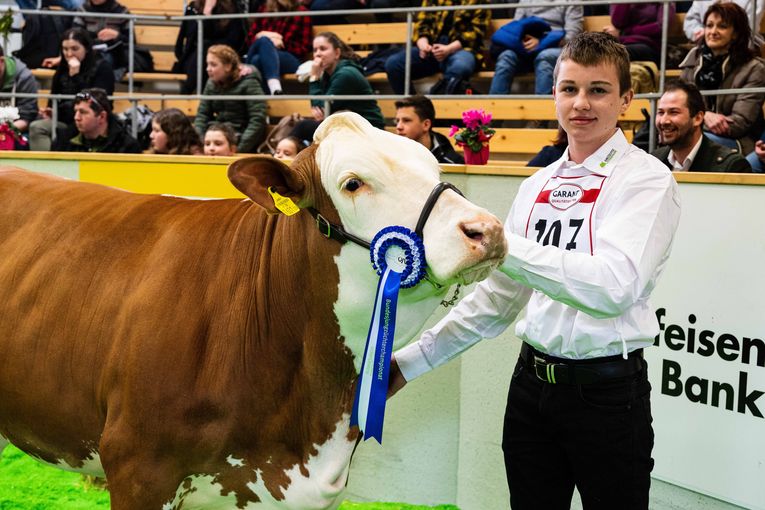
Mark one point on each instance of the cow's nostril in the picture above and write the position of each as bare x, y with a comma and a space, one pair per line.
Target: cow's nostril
471, 233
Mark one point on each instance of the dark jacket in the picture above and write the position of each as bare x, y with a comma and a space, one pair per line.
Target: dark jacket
19, 78
712, 157
348, 79
443, 151
117, 140
216, 31
91, 22
99, 74
248, 118
745, 109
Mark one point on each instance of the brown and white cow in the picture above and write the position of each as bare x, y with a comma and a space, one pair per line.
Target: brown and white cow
203, 354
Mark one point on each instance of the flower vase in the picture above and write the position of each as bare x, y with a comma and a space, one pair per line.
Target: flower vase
477, 158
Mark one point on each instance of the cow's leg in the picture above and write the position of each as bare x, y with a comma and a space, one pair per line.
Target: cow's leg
137, 477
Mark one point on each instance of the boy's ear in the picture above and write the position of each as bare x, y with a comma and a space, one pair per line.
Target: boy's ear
627, 100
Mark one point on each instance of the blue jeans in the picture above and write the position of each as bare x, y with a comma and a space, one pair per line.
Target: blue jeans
69, 5
271, 62
460, 64
755, 162
725, 142
509, 63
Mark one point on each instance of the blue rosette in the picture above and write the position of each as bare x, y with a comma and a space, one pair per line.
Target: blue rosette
398, 256
402, 250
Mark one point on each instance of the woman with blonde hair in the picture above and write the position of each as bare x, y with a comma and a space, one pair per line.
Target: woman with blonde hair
172, 133
248, 118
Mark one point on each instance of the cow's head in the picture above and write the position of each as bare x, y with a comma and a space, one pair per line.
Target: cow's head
366, 179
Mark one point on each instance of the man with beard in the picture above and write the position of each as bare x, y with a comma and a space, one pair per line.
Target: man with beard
679, 119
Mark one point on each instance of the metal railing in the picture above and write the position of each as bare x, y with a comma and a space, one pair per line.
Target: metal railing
134, 97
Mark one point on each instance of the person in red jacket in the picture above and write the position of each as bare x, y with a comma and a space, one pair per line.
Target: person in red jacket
277, 46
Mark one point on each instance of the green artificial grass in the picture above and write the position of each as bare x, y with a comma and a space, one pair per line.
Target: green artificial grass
26, 484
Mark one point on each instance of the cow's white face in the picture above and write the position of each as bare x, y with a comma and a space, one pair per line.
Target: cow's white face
377, 179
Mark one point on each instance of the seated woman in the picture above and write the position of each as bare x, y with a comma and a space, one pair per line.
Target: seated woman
278, 45
230, 32
173, 133
637, 25
112, 34
220, 140
335, 71
248, 118
724, 60
80, 67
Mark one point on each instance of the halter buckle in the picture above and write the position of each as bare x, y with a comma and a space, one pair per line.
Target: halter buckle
323, 225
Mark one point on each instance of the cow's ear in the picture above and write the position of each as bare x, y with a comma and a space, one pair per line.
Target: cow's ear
254, 175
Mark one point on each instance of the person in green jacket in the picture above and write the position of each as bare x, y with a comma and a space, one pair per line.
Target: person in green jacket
336, 71
248, 118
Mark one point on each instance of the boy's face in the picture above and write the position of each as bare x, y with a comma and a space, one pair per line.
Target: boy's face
588, 103
409, 124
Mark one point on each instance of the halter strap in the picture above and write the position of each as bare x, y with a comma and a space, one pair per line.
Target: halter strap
339, 234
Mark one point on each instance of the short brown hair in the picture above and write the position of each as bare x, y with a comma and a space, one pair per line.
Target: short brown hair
423, 106
594, 48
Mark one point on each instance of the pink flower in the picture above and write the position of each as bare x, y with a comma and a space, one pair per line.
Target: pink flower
453, 130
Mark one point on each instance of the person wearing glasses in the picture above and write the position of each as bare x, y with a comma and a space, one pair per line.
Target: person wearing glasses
95, 129
80, 67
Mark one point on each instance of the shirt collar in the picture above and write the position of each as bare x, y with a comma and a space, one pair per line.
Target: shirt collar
685, 165
603, 160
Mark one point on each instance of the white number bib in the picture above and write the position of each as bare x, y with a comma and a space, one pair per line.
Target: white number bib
562, 213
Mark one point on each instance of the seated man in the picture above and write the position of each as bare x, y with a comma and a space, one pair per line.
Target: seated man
414, 119
450, 42
679, 119
16, 77
95, 128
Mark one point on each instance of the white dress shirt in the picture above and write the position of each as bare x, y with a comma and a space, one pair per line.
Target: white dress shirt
684, 166
586, 302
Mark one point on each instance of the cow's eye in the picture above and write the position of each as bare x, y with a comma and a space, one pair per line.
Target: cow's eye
353, 184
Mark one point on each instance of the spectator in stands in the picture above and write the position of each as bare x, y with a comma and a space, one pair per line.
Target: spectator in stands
637, 25
173, 133
67, 5
16, 77
389, 4
288, 147
693, 24
111, 34
415, 116
335, 70
724, 59
551, 153
248, 118
524, 44
220, 140
450, 42
679, 117
756, 158
333, 5
279, 45
80, 67
230, 32
95, 129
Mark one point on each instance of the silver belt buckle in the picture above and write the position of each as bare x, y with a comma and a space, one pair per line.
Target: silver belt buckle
544, 370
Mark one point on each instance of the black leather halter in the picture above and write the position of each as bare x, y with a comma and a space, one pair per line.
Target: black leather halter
338, 233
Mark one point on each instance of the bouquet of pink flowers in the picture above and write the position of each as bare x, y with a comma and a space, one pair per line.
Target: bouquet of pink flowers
9, 134
476, 133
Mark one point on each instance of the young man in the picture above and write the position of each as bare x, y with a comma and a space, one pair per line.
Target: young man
414, 119
95, 128
16, 77
588, 237
679, 119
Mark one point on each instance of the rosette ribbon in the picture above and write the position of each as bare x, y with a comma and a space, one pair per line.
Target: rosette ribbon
398, 256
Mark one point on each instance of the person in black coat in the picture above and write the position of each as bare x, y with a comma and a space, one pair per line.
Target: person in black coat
80, 67
95, 129
679, 122
414, 119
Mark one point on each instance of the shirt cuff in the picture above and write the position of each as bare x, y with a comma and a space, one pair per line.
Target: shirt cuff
412, 361
517, 254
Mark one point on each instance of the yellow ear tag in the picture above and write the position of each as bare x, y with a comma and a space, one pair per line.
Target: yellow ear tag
284, 204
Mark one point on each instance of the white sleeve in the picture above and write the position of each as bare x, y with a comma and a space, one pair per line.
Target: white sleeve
484, 313
693, 19
633, 244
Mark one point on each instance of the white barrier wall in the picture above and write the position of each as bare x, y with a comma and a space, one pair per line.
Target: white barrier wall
443, 431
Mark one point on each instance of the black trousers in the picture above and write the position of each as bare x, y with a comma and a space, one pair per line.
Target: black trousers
596, 437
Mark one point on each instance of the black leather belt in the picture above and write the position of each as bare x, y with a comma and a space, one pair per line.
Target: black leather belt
586, 371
